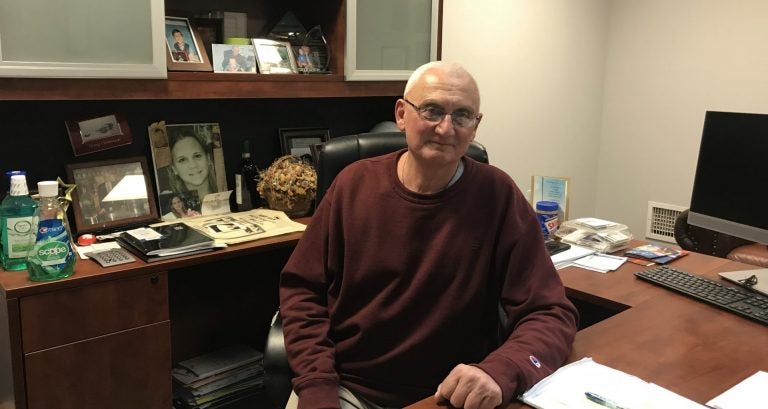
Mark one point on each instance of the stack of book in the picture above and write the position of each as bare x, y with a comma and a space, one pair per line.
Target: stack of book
166, 241
218, 379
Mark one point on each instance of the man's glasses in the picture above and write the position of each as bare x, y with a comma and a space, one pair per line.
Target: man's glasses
461, 118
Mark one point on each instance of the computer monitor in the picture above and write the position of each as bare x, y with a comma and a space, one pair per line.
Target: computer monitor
730, 189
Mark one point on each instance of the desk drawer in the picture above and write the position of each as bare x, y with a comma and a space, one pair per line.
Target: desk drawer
75, 314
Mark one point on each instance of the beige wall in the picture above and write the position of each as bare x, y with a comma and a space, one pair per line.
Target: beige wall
611, 93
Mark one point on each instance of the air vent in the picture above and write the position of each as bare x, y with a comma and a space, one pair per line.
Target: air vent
661, 221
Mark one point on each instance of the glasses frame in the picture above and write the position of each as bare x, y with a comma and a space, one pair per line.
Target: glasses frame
421, 109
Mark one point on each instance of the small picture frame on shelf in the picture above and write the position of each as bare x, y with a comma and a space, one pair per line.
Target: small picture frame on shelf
98, 134
234, 58
111, 194
552, 189
274, 57
211, 31
299, 141
186, 51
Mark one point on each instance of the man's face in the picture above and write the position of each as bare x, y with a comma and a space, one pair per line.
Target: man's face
441, 143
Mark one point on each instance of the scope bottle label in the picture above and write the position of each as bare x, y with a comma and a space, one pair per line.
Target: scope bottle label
52, 247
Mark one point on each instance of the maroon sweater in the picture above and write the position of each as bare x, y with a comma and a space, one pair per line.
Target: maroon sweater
388, 289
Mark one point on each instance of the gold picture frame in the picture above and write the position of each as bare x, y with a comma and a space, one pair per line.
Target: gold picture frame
553, 189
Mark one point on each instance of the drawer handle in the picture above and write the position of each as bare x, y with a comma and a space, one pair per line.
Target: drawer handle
154, 279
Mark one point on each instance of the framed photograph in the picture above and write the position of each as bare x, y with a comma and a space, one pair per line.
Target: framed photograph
274, 57
549, 188
211, 31
189, 166
98, 134
299, 141
111, 195
186, 51
234, 58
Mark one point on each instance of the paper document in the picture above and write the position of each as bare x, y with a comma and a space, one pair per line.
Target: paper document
566, 389
565, 258
602, 263
746, 394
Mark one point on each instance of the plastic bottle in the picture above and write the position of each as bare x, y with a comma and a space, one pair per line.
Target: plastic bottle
548, 214
245, 184
51, 258
16, 224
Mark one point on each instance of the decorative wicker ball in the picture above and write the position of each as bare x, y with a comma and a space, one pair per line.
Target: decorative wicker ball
289, 185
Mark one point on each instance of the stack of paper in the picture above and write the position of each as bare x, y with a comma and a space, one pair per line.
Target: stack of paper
219, 378
602, 263
567, 388
567, 257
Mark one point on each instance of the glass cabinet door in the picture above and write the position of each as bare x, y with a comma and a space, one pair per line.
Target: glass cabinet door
82, 38
387, 40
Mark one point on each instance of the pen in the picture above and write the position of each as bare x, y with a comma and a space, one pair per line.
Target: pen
602, 401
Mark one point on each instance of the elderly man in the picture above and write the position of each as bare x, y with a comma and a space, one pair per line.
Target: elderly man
394, 291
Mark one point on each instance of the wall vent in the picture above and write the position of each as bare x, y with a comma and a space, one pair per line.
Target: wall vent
661, 221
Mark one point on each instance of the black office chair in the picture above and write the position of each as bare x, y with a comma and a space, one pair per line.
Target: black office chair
336, 154
332, 157
703, 240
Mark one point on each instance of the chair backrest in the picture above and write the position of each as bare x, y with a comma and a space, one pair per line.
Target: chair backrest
703, 240
336, 154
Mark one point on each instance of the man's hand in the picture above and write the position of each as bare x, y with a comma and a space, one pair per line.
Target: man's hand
469, 387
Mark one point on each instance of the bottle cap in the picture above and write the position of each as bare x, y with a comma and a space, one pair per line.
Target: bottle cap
48, 188
547, 206
19, 185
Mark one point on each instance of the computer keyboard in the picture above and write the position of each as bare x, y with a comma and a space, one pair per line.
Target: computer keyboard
736, 300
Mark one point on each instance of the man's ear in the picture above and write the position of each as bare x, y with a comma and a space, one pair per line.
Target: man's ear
400, 114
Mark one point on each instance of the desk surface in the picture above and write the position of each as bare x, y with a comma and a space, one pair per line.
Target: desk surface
688, 347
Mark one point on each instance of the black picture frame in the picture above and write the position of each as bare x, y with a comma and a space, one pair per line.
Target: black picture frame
299, 141
112, 195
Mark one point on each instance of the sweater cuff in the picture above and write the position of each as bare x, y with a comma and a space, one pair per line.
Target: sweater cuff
508, 379
318, 394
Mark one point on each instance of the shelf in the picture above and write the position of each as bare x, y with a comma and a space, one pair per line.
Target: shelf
196, 85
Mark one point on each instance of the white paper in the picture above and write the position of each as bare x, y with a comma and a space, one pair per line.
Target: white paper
746, 394
565, 258
566, 388
144, 233
602, 263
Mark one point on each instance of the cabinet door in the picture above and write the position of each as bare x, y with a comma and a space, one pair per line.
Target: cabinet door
387, 40
124, 370
82, 38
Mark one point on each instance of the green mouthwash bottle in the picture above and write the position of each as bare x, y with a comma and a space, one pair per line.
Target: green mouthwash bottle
17, 231
51, 258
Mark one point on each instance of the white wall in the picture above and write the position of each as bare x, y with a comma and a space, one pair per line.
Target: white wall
539, 65
609, 92
668, 62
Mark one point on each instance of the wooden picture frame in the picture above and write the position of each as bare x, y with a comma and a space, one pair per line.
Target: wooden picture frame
299, 141
186, 50
97, 134
551, 188
211, 31
274, 57
112, 194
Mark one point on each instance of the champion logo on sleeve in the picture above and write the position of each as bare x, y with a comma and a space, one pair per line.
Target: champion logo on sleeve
535, 361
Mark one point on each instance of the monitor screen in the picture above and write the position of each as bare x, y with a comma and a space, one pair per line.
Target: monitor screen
730, 189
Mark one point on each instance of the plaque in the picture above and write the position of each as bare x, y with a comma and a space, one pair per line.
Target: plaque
312, 55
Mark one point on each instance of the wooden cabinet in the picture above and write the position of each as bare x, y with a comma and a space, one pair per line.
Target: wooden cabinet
82, 39
97, 346
108, 338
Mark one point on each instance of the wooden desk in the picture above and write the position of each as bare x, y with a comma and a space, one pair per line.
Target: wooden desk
686, 346
108, 337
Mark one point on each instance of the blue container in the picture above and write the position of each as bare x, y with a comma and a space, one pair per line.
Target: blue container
548, 214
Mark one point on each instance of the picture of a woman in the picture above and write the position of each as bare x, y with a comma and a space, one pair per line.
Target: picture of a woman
190, 165
179, 209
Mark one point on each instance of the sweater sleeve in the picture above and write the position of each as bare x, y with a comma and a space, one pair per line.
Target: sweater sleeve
304, 310
542, 321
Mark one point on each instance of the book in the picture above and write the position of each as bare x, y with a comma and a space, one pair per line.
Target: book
162, 242
655, 253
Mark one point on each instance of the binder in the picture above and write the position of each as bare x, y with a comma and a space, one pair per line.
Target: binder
173, 240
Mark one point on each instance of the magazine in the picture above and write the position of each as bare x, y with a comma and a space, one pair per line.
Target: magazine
232, 228
655, 253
